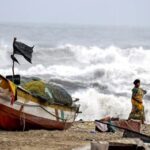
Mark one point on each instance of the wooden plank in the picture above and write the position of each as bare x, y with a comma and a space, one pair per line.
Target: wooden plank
130, 134
133, 134
126, 144
122, 144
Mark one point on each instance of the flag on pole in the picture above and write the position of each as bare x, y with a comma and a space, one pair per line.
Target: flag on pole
23, 49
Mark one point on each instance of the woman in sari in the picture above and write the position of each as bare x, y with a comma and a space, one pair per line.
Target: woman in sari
137, 112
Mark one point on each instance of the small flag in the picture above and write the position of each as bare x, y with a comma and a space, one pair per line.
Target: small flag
23, 49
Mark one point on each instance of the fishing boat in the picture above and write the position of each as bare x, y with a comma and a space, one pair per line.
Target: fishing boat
30, 112
38, 105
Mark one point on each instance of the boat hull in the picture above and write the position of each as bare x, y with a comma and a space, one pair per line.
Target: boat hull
28, 113
11, 119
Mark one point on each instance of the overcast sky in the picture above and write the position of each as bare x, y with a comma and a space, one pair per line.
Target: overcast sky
103, 12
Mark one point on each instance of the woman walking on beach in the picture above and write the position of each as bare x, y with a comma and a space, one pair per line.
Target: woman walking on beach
137, 111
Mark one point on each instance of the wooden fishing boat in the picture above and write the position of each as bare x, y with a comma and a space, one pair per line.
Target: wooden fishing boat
29, 112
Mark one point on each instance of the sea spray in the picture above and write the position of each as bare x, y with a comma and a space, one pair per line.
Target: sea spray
95, 105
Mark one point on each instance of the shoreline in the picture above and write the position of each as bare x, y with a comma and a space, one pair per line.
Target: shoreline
79, 135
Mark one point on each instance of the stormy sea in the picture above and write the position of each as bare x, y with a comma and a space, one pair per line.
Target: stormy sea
96, 64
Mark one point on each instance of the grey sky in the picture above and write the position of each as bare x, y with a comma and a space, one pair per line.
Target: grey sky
103, 12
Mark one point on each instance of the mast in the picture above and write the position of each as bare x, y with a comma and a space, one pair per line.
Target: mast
13, 66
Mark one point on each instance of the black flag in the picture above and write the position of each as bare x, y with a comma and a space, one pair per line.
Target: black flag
23, 49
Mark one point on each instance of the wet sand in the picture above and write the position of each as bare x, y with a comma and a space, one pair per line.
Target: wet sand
78, 135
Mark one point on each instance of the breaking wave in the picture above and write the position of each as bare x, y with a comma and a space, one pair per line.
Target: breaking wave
101, 77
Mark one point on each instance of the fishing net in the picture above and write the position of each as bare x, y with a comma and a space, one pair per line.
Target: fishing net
48, 91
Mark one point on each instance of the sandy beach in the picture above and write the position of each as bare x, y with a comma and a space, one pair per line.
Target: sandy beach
80, 134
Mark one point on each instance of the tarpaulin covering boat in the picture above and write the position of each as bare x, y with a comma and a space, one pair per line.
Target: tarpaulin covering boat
49, 92
22, 109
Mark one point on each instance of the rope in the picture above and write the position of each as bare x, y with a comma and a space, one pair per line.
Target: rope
22, 116
28, 105
24, 121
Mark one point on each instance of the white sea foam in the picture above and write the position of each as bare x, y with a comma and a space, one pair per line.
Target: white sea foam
114, 67
95, 105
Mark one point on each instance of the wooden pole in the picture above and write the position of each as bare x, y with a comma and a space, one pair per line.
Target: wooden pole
13, 66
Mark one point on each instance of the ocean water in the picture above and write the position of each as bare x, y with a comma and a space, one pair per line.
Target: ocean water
93, 63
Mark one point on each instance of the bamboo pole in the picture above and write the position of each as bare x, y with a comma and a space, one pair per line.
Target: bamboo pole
13, 65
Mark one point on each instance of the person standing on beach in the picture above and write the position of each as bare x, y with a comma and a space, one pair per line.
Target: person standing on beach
137, 111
